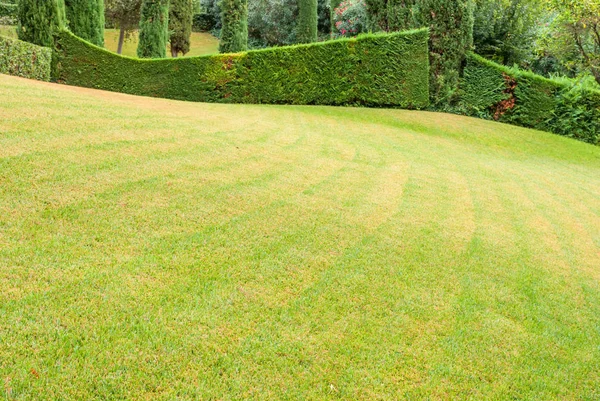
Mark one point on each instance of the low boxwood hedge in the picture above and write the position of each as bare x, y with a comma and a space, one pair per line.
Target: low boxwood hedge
24, 59
493, 91
372, 70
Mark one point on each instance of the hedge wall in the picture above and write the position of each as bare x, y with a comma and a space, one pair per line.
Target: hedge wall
8, 10
492, 91
373, 70
23, 59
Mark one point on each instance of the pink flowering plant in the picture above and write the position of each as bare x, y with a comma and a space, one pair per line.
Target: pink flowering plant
350, 18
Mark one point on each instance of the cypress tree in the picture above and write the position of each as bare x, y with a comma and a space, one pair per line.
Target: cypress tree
234, 32
154, 29
450, 25
39, 19
180, 25
308, 19
86, 19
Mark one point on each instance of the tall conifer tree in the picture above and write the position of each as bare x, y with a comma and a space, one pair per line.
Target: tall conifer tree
154, 29
86, 19
306, 31
180, 25
39, 19
234, 33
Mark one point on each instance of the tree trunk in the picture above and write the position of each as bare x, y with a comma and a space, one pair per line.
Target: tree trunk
173, 52
121, 40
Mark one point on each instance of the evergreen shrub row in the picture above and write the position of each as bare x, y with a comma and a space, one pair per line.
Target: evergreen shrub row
493, 91
8, 10
372, 70
25, 60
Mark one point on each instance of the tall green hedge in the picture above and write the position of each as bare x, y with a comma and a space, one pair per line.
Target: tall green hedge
8, 10
154, 29
450, 24
24, 59
493, 91
86, 19
39, 20
308, 19
234, 32
372, 70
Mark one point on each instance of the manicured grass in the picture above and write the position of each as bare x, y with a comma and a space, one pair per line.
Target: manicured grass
202, 43
163, 250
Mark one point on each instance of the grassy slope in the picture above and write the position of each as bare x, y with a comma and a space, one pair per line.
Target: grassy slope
154, 249
202, 43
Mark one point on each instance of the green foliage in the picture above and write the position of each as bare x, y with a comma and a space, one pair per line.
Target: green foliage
234, 32
86, 19
39, 20
308, 19
450, 24
505, 30
8, 10
154, 29
24, 59
203, 22
518, 97
180, 25
350, 18
372, 70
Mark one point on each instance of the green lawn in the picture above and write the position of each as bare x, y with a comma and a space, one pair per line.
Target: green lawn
154, 249
201, 43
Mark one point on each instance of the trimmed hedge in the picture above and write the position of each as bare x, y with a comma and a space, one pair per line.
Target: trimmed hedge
493, 91
25, 60
372, 70
8, 10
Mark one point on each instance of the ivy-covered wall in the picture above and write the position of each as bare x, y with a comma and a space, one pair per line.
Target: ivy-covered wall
372, 70
25, 60
492, 91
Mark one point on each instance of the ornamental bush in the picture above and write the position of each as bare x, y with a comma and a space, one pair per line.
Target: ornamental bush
350, 18
371, 70
24, 59
86, 19
154, 29
493, 91
38, 20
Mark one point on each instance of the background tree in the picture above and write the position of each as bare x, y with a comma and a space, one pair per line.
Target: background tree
234, 31
180, 25
124, 15
506, 30
86, 19
154, 29
308, 19
576, 34
39, 19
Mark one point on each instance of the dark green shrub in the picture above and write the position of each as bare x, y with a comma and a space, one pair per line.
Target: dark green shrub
203, 22
24, 59
492, 91
39, 20
180, 26
308, 19
154, 29
234, 32
372, 70
86, 19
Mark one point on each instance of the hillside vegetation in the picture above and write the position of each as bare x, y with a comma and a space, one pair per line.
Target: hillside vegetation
155, 249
